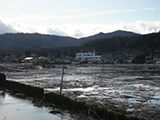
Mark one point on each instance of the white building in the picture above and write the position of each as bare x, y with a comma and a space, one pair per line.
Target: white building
90, 57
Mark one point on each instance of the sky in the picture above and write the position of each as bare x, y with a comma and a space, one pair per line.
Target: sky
79, 18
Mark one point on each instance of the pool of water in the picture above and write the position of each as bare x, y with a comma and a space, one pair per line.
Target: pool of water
13, 108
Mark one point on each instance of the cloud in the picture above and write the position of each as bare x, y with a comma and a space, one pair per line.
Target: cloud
142, 27
56, 31
73, 13
99, 13
147, 27
23, 28
4, 28
78, 34
82, 30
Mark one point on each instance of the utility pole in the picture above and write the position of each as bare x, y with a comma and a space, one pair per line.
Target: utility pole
62, 80
118, 46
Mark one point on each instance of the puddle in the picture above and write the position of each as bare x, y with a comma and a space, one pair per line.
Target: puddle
155, 100
72, 89
12, 108
82, 96
130, 109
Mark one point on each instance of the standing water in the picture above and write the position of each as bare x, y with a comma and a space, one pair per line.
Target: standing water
13, 108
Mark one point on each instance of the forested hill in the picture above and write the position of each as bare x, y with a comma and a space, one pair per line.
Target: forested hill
41, 40
107, 35
139, 43
10, 41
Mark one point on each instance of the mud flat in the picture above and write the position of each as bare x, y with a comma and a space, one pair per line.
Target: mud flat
131, 89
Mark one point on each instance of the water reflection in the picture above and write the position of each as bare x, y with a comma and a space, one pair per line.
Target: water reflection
13, 108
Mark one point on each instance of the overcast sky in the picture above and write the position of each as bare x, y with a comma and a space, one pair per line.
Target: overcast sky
79, 18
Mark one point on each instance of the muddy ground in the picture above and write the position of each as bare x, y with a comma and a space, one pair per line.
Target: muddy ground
131, 89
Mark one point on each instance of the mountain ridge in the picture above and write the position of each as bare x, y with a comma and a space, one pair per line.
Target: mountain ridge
102, 35
24, 40
132, 44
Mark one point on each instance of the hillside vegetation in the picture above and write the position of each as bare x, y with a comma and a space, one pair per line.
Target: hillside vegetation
118, 41
139, 43
12, 42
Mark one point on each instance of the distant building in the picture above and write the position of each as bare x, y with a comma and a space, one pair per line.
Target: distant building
29, 60
90, 57
107, 58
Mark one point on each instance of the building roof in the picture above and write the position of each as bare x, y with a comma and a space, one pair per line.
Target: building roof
28, 58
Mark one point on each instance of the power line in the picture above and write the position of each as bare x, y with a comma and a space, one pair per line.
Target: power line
12, 46
37, 47
25, 43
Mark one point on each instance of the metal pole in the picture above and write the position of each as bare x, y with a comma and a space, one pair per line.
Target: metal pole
118, 46
62, 79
